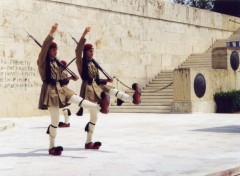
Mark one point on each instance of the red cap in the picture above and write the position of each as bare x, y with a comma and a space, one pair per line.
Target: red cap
87, 47
53, 45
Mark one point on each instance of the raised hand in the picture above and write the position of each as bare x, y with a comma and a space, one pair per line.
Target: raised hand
87, 30
74, 79
110, 80
54, 28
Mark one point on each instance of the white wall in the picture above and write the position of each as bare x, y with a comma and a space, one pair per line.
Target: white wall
134, 39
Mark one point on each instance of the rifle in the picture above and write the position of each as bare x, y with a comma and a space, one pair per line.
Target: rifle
58, 62
95, 63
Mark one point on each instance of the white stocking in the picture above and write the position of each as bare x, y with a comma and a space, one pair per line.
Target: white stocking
66, 116
91, 125
121, 95
84, 103
54, 113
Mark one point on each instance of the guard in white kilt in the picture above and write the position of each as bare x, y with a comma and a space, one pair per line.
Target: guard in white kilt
54, 93
95, 89
66, 111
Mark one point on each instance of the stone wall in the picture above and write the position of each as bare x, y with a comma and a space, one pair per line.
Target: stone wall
222, 77
217, 80
134, 40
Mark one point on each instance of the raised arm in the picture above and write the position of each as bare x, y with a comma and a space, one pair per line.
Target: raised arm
45, 46
79, 50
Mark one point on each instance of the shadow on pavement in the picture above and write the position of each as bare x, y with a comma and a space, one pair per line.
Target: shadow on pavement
88, 150
35, 154
223, 129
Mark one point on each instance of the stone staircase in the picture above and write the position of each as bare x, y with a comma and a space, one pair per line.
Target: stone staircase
160, 102
205, 59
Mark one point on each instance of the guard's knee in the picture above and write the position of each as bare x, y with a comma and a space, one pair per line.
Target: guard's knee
52, 131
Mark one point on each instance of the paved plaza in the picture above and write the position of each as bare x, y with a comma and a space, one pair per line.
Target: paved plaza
133, 145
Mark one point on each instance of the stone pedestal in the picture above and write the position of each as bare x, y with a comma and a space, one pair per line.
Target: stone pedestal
225, 58
185, 98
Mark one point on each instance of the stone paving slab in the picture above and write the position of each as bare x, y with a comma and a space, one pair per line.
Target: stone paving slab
6, 125
133, 145
228, 172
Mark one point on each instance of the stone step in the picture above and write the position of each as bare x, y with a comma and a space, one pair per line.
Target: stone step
163, 81
198, 59
144, 104
200, 55
164, 78
158, 111
157, 85
219, 45
198, 63
160, 93
139, 108
144, 107
153, 97
160, 82
158, 98
166, 71
164, 93
146, 89
147, 97
195, 66
168, 89
154, 101
165, 74
221, 40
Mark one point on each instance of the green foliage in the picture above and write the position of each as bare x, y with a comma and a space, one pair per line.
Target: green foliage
202, 4
227, 102
179, 1
229, 7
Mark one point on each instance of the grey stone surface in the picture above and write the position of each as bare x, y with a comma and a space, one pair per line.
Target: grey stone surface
133, 145
5, 125
133, 40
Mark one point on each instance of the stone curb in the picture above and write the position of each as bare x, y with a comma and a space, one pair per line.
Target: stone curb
6, 125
